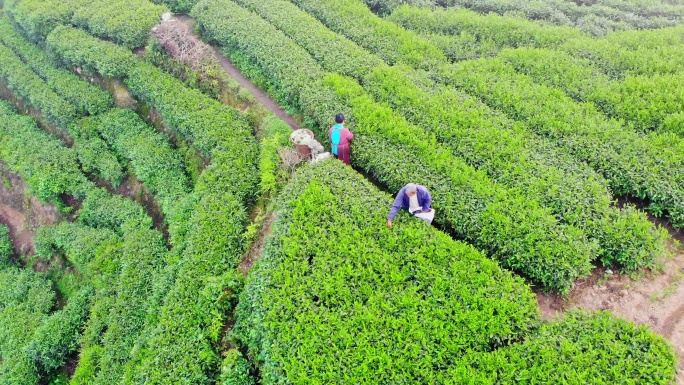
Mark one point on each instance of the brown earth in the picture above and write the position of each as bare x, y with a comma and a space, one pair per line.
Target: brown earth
256, 246
245, 83
651, 298
22, 213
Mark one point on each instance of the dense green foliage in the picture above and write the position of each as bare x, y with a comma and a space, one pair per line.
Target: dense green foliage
630, 163
34, 91
339, 298
196, 305
49, 168
32, 340
625, 57
75, 48
645, 102
204, 121
580, 348
353, 19
596, 17
124, 271
465, 34
178, 6
235, 369
208, 124
644, 166
52, 172
484, 138
510, 226
6, 248
60, 334
86, 97
25, 301
186, 333
152, 159
95, 156
100, 209
36, 18
29, 87
276, 134
126, 22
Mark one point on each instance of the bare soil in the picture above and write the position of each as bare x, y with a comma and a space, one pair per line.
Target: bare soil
22, 213
245, 83
256, 246
652, 298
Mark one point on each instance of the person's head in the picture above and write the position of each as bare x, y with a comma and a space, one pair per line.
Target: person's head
339, 118
411, 189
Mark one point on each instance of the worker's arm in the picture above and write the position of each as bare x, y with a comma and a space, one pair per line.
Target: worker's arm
427, 202
396, 206
350, 136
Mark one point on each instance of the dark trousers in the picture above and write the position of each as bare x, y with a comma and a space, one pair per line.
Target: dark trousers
343, 153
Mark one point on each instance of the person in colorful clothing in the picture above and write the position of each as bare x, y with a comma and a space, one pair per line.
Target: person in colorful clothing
415, 199
340, 138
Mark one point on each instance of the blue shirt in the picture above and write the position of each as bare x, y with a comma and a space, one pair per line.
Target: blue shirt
402, 201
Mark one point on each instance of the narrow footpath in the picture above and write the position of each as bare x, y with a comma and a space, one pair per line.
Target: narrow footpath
245, 83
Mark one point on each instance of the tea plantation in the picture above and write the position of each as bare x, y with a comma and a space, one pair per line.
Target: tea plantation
186, 247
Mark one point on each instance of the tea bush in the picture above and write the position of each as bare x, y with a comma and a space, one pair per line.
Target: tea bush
126, 22
580, 348
503, 31
337, 297
126, 272
34, 340
48, 168
86, 97
152, 159
35, 19
36, 92
643, 102
353, 19
641, 165
25, 301
28, 86
6, 247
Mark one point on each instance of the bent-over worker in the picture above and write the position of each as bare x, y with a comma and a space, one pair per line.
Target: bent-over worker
340, 138
416, 200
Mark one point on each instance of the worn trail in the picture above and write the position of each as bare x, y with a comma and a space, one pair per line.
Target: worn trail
245, 83
656, 300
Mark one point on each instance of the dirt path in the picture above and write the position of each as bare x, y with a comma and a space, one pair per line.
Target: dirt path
22, 213
245, 83
264, 99
655, 299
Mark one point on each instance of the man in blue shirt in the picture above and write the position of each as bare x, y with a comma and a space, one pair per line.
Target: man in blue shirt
416, 200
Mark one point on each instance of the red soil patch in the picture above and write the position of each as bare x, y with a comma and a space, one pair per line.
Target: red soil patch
22, 213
